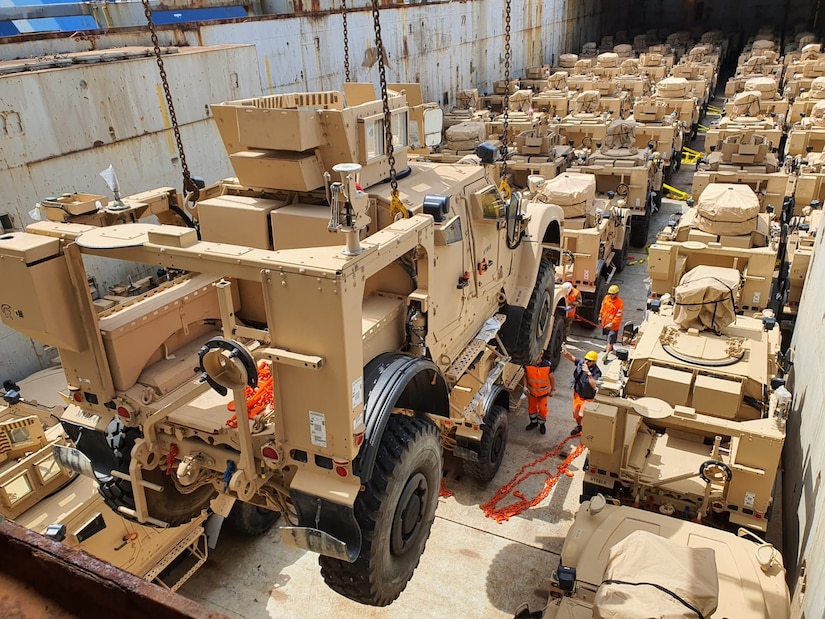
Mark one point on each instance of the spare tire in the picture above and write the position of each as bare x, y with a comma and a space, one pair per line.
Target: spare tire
535, 322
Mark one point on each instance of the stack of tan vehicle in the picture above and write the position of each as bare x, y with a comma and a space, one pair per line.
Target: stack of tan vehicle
758, 108
343, 333
654, 124
745, 158
678, 96
608, 151
726, 228
621, 563
596, 236
691, 423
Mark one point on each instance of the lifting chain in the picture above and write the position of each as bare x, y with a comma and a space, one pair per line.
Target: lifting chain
346, 39
189, 186
396, 207
504, 153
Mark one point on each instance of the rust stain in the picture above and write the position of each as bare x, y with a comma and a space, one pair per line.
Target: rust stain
472, 554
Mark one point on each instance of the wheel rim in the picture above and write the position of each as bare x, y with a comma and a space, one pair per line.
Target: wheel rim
409, 514
544, 315
497, 446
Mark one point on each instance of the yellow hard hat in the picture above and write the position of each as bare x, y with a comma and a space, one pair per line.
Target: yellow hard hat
614, 289
592, 355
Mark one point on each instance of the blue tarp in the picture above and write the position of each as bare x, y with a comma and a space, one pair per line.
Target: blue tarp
72, 23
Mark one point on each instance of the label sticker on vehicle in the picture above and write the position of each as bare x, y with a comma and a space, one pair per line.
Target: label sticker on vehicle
357, 392
318, 428
750, 500
756, 297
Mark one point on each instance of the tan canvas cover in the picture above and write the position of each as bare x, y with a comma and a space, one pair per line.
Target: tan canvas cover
764, 84
755, 65
812, 47
817, 88
744, 104
574, 193
467, 98
521, 101
706, 298
623, 50
557, 81
587, 102
673, 87
465, 136
620, 134
644, 557
763, 44
630, 66
727, 209
582, 66
608, 59
568, 61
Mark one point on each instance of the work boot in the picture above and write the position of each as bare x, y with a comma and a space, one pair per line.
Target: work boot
532, 425
604, 359
576, 430
543, 428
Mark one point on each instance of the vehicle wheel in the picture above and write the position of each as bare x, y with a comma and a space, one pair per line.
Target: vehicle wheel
536, 319
591, 314
395, 510
620, 257
668, 174
492, 447
112, 451
251, 520
639, 226
556, 340
677, 161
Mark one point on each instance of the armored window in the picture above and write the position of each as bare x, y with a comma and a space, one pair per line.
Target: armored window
374, 142
400, 129
48, 468
19, 435
19, 488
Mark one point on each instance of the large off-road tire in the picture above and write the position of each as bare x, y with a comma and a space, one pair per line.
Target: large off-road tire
591, 314
639, 226
251, 520
395, 511
620, 256
492, 447
168, 506
556, 340
536, 319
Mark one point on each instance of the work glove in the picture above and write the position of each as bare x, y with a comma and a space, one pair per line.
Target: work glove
567, 308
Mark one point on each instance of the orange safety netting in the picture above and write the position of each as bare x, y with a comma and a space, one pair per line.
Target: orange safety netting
256, 399
443, 492
502, 514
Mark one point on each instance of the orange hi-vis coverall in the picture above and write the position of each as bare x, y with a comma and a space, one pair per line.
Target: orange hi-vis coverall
538, 390
571, 300
611, 312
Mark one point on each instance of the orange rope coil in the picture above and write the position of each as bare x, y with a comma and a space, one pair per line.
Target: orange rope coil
256, 399
502, 514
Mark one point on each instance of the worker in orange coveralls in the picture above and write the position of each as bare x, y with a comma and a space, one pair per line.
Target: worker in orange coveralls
610, 317
541, 385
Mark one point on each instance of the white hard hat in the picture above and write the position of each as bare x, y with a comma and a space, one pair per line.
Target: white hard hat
567, 286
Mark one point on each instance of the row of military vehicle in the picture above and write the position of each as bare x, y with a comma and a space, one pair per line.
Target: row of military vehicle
338, 429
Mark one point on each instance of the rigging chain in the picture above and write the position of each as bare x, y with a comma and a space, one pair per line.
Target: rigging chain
189, 186
396, 207
506, 91
346, 39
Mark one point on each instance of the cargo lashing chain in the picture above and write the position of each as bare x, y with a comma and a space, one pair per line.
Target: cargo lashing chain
346, 39
397, 208
190, 188
504, 186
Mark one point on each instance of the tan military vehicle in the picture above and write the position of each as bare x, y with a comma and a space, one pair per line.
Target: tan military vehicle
759, 108
655, 64
349, 360
749, 159
676, 93
596, 236
692, 422
726, 228
763, 64
654, 125
808, 134
39, 494
801, 74
634, 174
612, 100
553, 99
611, 550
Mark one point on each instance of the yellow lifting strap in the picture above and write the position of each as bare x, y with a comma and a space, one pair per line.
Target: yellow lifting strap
397, 208
702, 128
674, 193
713, 110
690, 156
505, 190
